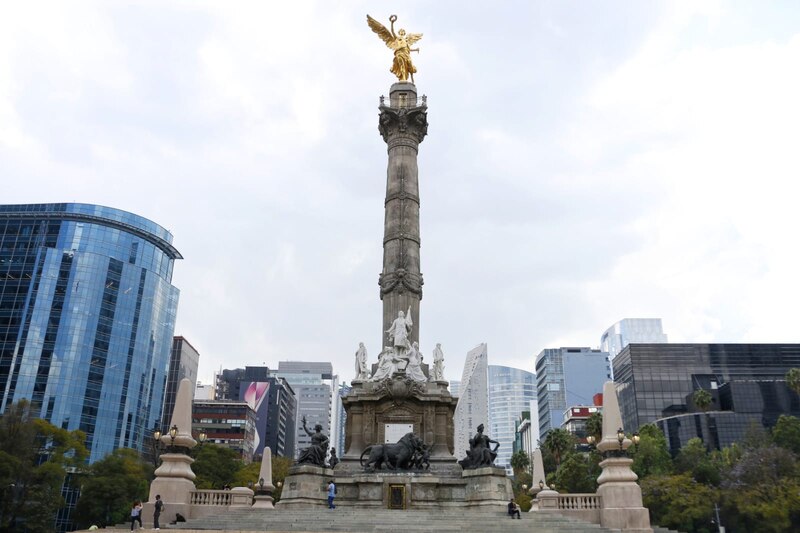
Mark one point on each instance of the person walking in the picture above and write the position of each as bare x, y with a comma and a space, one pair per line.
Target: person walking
331, 494
157, 508
136, 514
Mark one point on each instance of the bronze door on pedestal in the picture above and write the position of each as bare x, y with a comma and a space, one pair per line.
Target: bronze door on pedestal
397, 496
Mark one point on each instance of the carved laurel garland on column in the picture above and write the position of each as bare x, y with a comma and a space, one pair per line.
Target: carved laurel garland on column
407, 281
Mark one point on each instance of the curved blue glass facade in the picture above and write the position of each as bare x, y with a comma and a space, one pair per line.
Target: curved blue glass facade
87, 315
511, 391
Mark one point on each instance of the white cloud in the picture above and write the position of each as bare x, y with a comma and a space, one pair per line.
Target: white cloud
579, 168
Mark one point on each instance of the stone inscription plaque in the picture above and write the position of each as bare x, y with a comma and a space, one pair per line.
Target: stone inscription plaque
394, 432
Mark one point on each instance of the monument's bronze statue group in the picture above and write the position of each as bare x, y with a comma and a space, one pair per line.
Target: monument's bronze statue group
408, 453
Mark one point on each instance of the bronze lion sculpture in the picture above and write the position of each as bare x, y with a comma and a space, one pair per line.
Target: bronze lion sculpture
399, 455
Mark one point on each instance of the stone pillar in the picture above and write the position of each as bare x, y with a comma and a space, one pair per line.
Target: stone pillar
622, 506
403, 125
263, 499
538, 474
174, 478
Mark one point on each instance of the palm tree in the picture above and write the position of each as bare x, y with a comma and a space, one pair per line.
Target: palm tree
559, 442
594, 426
793, 379
702, 399
520, 461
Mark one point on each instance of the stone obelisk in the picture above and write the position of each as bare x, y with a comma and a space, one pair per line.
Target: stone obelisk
403, 125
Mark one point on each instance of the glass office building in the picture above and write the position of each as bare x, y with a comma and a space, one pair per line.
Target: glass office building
184, 361
87, 315
656, 381
631, 331
567, 377
511, 392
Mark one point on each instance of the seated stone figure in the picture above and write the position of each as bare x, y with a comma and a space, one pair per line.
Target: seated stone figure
480, 453
390, 361
317, 452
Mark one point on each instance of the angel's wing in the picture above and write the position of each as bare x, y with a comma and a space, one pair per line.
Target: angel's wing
381, 30
409, 322
412, 38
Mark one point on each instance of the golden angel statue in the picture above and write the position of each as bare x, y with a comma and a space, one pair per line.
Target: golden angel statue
402, 67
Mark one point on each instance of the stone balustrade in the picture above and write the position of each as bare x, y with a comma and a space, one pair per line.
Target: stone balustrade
579, 501
210, 497
206, 502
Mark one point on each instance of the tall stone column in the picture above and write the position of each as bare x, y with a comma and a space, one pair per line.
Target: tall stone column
403, 125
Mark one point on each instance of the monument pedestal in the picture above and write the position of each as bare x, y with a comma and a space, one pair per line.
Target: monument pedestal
487, 487
305, 486
622, 497
263, 501
425, 408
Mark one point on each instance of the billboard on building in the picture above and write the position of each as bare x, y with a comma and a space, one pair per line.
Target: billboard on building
255, 393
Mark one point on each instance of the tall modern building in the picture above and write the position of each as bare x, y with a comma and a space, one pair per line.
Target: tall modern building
87, 315
567, 377
273, 400
228, 424
511, 392
657, 381
282, 410
183, 363
231, 383
473, 401
631, 330
339, 418
313, 384
455, 387
527, 428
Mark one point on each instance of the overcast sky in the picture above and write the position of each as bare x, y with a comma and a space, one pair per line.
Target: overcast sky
585, 162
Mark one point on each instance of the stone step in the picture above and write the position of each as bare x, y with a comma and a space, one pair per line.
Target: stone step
382, 521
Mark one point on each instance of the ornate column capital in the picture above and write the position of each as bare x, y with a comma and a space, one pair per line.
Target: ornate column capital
408, 122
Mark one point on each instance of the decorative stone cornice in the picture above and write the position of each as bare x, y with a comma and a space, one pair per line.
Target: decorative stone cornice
407, 122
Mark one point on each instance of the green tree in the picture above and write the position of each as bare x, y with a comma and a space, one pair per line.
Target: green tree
280, 469
679, 502
594, 426
651, 456
695, 460
560, 443
34, 459
786, 433
520, 462
576, 474
247, 475
755, 436
762, 491
702, 399
793, 379
110, 486
215, 466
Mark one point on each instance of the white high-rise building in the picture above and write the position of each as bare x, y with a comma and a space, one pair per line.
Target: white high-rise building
511, 392
473, 401
631, 330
